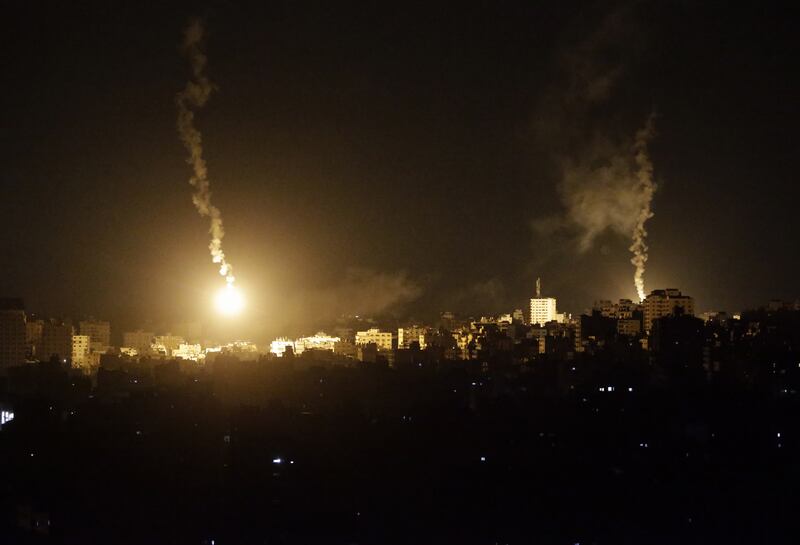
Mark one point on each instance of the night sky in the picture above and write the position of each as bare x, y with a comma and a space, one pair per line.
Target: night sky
407, 149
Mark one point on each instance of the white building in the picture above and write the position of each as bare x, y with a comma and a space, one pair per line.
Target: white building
279, 346
543, 310
320, 341
383, 339
80, 350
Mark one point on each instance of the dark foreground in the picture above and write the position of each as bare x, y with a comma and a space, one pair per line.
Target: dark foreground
274, 452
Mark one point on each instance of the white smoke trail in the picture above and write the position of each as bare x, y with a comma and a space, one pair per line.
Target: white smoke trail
194, 96
646, 188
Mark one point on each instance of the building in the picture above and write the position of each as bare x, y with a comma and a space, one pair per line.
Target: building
33, 337
543, 309
12, 332
80, 350
56, 341
139, 340
165, 345
382, 339
99, 333
193, 352
662, 303
629, 315
279, 346
411, 334
320, 341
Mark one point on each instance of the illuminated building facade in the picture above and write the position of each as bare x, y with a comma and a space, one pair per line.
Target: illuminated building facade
662, 303
382, 339
193, 352
12, 332
408, 335
629, 315
320, 341
99, 333
543, 310
165, 345
80, 350
139, 340
279, 346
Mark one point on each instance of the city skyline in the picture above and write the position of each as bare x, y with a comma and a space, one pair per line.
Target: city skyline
332, 164
471, 273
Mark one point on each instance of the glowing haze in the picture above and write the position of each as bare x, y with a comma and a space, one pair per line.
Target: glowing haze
194, 96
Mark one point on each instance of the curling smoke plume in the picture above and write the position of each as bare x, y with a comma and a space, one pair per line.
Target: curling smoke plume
605, 172
194, 96
645, 187
611, 187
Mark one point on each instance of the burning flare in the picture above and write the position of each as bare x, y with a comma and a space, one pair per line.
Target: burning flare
195, 95
229, 300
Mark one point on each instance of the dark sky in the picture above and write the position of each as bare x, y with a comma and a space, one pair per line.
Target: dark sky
407, 148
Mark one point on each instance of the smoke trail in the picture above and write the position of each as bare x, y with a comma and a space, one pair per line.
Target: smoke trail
646, 188
605, 175
194, 96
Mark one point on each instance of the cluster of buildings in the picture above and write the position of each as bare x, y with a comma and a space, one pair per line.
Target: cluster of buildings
542, 330
86, 343
539, 331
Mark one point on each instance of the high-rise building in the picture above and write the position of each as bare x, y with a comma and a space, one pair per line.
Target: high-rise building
543, 309
33, 337
56, 340
12, 332
382, 339
662, 303
98, 331
80, 350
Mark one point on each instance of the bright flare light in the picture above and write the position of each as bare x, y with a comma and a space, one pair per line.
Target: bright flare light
229, 300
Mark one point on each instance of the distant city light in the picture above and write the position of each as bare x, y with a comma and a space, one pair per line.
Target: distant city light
6, 416
277, 461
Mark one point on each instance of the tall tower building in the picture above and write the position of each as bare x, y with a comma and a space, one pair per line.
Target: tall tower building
80, 350
543, 309
12, 333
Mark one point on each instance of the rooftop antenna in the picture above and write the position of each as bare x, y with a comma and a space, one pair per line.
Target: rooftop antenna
538, 287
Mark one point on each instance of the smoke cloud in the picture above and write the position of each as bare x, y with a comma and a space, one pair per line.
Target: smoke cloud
194, 96
370, 293
605, 176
